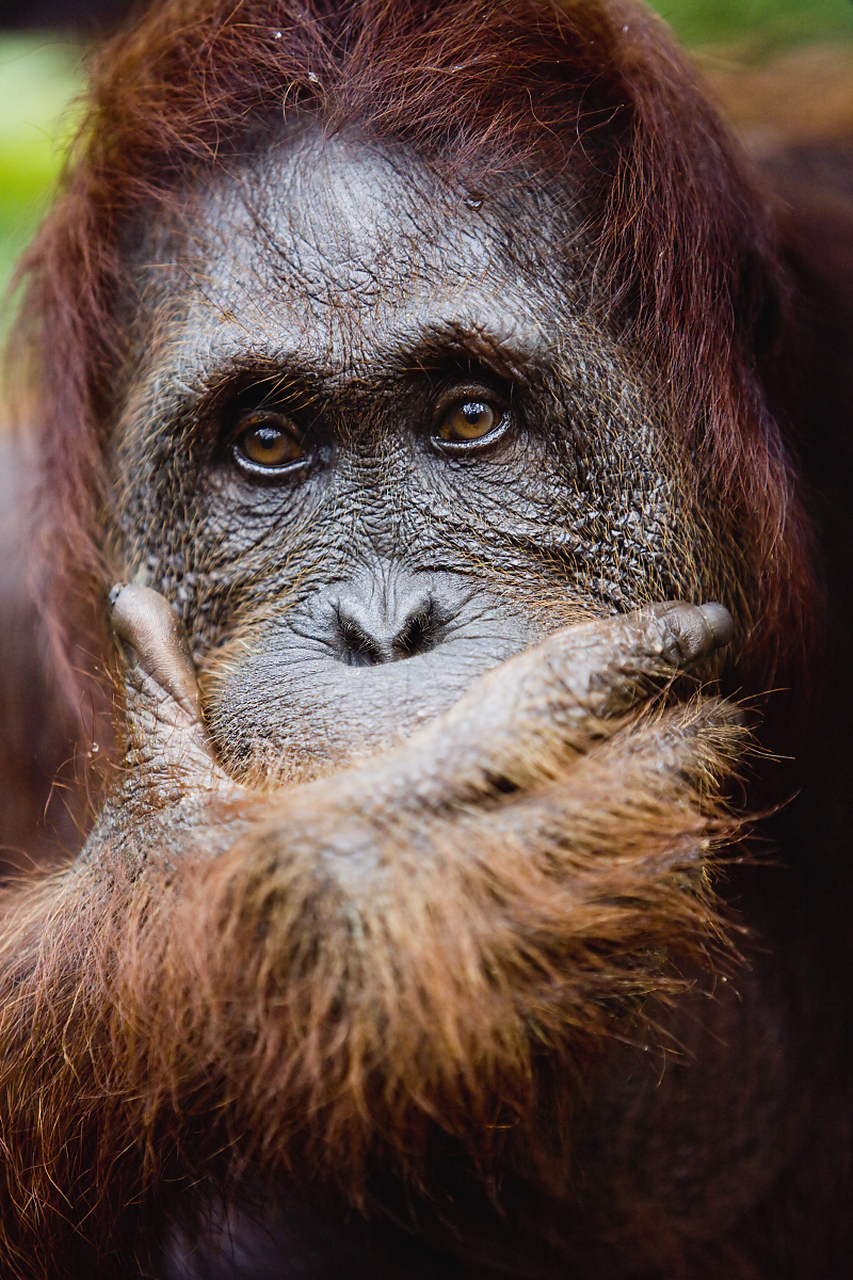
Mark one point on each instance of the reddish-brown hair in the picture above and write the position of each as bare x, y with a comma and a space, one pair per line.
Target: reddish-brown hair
139, 1014
680, 251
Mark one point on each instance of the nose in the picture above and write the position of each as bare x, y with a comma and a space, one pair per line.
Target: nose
388, 618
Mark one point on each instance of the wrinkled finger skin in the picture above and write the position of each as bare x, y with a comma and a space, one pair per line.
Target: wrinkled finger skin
406, 367
516, 725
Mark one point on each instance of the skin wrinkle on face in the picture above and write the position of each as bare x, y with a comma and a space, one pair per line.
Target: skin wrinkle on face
474, 990
319, 267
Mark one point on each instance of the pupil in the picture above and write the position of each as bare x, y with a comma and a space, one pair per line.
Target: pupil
472, 413
266, 437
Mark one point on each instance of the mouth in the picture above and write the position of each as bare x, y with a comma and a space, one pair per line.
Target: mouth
288, 710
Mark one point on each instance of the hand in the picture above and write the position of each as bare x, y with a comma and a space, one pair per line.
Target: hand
323, 964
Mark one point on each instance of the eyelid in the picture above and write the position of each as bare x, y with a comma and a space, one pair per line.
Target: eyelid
474, 388
260, 416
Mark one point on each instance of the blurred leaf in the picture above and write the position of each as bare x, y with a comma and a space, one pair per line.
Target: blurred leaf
757, 26
39, 79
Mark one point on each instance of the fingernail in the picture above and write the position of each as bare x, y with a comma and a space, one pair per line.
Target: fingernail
697, 631
720, 621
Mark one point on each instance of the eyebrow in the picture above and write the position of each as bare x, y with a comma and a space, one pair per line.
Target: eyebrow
420, 347
218, 362
200, 379
508, 353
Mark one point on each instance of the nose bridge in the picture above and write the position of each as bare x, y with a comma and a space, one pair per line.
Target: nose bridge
373, 495
397, 592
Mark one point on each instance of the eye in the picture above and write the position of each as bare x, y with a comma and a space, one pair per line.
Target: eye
268, 444
471, 424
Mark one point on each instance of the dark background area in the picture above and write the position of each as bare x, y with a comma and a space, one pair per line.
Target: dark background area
80, 14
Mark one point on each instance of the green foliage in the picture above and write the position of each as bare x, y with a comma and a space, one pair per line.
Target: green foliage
758, 26
39, 77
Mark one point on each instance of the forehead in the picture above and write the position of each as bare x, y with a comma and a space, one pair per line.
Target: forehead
330, 249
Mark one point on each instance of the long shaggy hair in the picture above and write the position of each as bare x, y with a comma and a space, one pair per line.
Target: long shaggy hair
196, 1002
681, 267
272, 995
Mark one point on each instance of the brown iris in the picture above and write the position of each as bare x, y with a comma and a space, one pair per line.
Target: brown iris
469, 420
268, 441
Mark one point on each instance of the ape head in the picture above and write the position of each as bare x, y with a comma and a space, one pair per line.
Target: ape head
385, 341
426, 342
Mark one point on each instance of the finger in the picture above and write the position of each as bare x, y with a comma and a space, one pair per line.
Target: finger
696, 631
526, 720
144, 621
603, 669
566, 688
165, 729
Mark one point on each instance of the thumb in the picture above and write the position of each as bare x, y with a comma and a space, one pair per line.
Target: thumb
164, 726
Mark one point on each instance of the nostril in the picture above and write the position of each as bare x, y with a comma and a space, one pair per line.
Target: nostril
365, 639
419, 634
360, 649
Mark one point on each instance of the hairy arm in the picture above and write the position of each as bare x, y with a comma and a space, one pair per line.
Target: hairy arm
316, 978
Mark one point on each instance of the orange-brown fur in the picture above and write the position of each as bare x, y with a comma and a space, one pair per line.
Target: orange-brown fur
188, 1005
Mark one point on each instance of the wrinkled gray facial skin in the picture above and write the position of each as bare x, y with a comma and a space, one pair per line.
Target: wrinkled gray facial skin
355, 297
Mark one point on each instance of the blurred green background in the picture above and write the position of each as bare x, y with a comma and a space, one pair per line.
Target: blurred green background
39, 79
759, 25
40, 76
